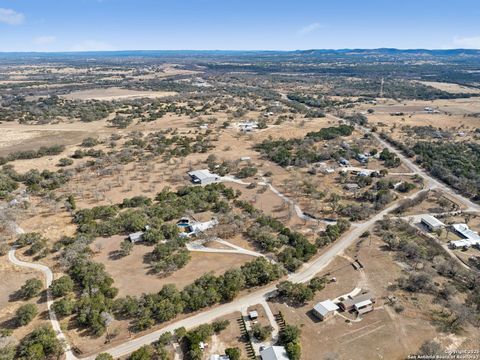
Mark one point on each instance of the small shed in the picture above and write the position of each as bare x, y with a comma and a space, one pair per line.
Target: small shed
135, 237
325, 309
253, 315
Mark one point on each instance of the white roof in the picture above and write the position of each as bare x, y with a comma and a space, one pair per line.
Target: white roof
363, 303
202, 174
274, 353
219, 357
432, 221
253, 314
466, 232
325, 307
202, 226
461, 243
136, 235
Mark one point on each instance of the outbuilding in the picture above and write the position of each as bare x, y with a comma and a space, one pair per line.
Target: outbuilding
135, 237
274, 353
431, 222
325, 309
203, 177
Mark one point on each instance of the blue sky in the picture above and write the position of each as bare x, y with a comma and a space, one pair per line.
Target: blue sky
81, 25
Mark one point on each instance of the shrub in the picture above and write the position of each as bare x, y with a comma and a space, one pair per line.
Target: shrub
25, 314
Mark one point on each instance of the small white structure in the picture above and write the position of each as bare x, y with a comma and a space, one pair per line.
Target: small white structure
469, 237
274, 353
219, 357
203, 177
245, 158
135, 237
253, 315
248, 126
431, 222
325, 309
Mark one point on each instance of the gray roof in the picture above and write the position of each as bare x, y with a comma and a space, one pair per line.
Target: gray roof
432, 221
356, 300
274, 353
324, 307
202, 174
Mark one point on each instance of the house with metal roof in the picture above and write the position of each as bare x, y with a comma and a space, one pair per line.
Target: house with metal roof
469, 237
349, 303
203, 177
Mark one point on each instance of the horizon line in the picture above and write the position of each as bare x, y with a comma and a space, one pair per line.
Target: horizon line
237, 50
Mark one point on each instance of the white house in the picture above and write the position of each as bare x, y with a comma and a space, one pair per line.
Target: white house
363, 306
194, 227
248, 126
203, 177
469, 237
325, 309
274, 353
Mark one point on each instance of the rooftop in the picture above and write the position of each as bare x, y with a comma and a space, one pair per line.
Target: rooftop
274, 353
432, 221
325, 307
201, 174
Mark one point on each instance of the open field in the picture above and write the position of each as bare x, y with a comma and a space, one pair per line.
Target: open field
111, 94
138, 279
301, 172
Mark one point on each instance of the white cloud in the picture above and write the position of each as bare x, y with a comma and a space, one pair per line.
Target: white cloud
467, 42
92, 45
11, 17
309, 28
44, 40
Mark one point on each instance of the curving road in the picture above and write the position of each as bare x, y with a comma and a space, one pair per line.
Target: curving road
259, 296
48, 281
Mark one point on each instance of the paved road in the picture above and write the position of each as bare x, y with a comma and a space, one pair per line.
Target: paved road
432, 183
259, 296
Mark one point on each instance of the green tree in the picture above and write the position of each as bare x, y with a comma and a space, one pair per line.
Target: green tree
261, 333
40, 344
61, 286
144, 353
30, 289
233, 353
126, 247
63, 307
104, 356
25, 314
